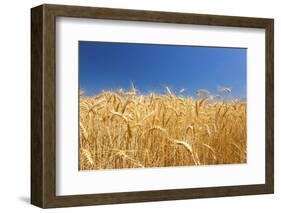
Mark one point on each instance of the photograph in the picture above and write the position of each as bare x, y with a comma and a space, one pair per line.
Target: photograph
155, 105
136, 105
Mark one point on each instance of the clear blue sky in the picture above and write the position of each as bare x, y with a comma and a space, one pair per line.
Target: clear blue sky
109, 66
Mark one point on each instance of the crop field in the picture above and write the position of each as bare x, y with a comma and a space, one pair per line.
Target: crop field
125, 129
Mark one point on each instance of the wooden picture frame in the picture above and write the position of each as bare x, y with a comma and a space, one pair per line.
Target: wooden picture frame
43, 105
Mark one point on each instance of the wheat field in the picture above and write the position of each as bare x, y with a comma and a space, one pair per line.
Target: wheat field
125, 129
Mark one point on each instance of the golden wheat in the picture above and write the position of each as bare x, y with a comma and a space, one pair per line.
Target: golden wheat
125, 130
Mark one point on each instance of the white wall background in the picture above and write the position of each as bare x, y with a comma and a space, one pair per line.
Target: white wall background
15, 104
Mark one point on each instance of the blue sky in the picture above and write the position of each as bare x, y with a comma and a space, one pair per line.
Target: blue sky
109, 66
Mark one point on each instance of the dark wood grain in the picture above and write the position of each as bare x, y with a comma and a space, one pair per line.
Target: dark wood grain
156, 16
36, 106
43, 105
269, 101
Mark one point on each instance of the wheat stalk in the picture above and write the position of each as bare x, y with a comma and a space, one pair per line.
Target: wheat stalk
163, 130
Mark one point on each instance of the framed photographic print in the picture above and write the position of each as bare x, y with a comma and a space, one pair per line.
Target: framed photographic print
136, 106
